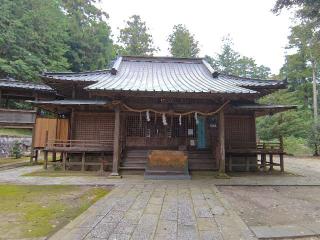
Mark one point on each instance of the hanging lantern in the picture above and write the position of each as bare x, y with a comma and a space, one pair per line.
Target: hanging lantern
148, 116
164, 119
180, 120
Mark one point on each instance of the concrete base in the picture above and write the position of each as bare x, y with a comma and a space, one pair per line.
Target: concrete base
167, 177
285, 231
114, 176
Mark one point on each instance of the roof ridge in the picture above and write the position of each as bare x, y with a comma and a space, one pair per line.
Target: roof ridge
12, 80
131, 57
250, 79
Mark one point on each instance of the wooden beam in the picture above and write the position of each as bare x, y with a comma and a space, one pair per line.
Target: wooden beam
116, 143
222, 153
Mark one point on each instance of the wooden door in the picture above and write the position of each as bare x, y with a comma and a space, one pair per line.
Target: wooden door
201, 133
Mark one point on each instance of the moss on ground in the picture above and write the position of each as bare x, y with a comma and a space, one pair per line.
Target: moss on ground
60, 173
18, 132
37, 211
13, 160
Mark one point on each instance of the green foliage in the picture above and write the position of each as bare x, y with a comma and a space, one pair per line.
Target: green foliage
298, 126
296, 146
52, 35
314, 138
182, 42
306, 9
230, 62
32, 38
135, 38
90, 44
294, 123
16, 150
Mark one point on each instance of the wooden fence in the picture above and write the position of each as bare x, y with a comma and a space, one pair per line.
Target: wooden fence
56, 129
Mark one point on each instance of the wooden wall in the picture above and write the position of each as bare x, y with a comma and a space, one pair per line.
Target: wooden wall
56, 128
240, 131
93, 126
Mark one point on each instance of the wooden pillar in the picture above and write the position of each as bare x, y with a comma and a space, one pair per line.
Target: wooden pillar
71, 124
281, 163
45, 165
222, 154
281, 154
64, 159
247, 160
271, 162
54, 156
230, 163
83, 159
34, 134
116, 143
263, 161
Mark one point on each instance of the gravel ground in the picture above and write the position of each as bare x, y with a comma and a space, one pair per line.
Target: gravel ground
279, 205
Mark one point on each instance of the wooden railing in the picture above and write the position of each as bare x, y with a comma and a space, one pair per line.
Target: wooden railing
85, 145
269, 145
256, 146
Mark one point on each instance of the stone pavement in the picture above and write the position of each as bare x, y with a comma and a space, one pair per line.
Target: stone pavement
176, 210
168, 209
15, 176
287, 231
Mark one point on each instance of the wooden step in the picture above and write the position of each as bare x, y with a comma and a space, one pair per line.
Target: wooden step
132, 167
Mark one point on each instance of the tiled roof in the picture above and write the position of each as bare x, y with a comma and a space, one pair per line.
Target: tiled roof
93, 76
71, 102
164, 74
10, 83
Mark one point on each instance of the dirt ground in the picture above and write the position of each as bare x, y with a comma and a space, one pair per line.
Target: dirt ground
280, 205
283, 205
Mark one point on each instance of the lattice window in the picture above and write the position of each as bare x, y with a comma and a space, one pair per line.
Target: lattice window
137, 126
93, 126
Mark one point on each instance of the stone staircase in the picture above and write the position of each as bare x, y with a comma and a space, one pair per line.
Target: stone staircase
136, 159
201, 160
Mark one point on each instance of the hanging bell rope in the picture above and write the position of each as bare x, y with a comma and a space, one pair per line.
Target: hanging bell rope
180, 120
176, 113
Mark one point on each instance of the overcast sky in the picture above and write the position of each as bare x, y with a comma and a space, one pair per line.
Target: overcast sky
255, 30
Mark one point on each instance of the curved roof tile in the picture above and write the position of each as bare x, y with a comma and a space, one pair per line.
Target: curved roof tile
164, 74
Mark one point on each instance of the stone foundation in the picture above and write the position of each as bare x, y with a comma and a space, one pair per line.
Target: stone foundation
7, 142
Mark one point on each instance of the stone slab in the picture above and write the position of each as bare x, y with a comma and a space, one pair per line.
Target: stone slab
281, 231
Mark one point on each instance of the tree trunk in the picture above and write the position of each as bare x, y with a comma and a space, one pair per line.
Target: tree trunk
314, 89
